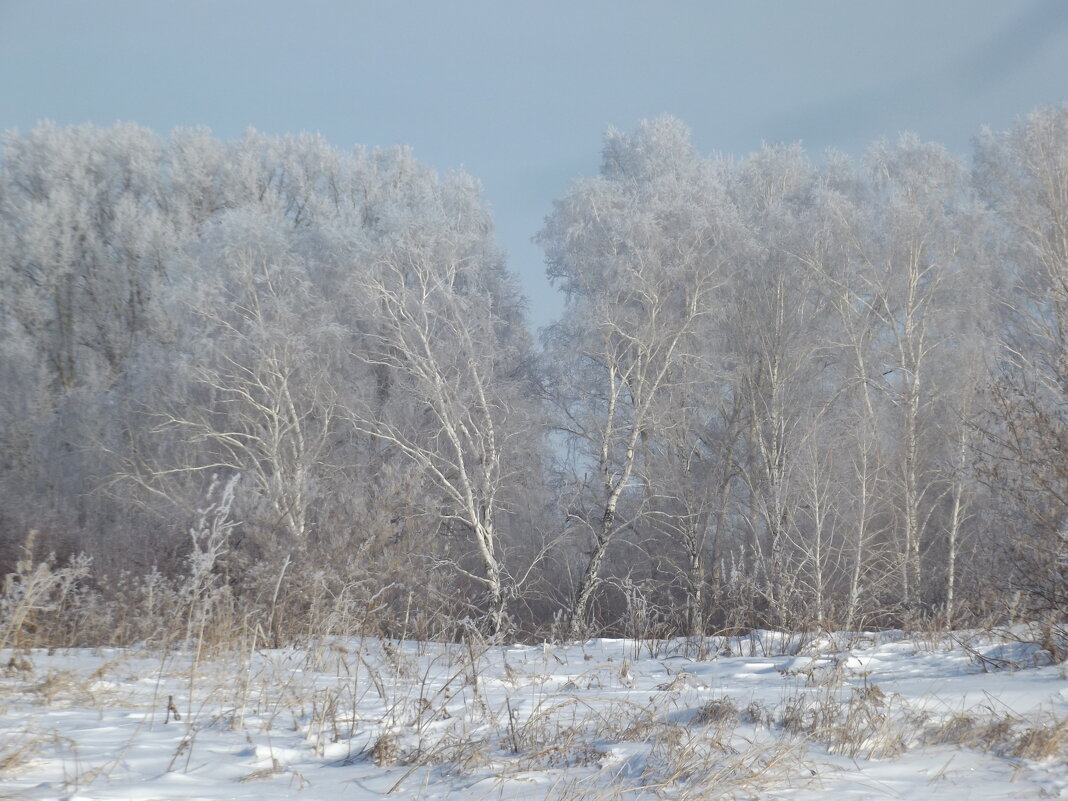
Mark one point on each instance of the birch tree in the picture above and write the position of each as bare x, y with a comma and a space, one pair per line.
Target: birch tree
1022, 174
638, 253
909, 243
691, 472
852, 428
777, 338
258, 358
443, 340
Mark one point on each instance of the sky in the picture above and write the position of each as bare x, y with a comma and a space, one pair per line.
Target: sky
519, 94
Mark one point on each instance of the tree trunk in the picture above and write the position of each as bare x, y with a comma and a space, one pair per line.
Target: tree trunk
590, 579
695, 579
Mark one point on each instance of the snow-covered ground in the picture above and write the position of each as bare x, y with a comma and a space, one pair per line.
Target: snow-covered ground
766, 716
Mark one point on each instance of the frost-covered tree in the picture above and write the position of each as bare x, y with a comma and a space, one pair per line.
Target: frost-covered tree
777, 335
1022, 174
638, 252
86, 244
782, 391
443, 337
915, 266
257, 356
173, 310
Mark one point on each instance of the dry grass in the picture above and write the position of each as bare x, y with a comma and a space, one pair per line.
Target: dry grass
19, 749
1041, 742
866, 724
981, 731
717, 710
689, 766
1002, 733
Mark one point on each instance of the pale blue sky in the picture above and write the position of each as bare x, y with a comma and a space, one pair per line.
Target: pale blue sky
519, 94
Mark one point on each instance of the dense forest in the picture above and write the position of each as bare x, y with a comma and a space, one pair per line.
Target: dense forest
268, 385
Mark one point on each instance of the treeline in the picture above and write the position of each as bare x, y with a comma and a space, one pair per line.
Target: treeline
299, 382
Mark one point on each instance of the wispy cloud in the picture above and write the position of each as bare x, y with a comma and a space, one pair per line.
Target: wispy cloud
854, 118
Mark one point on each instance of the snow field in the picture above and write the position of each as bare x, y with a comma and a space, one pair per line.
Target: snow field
878, 715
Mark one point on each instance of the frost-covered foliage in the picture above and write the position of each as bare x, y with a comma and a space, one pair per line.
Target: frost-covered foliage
806, 394
782, 392
174, 311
